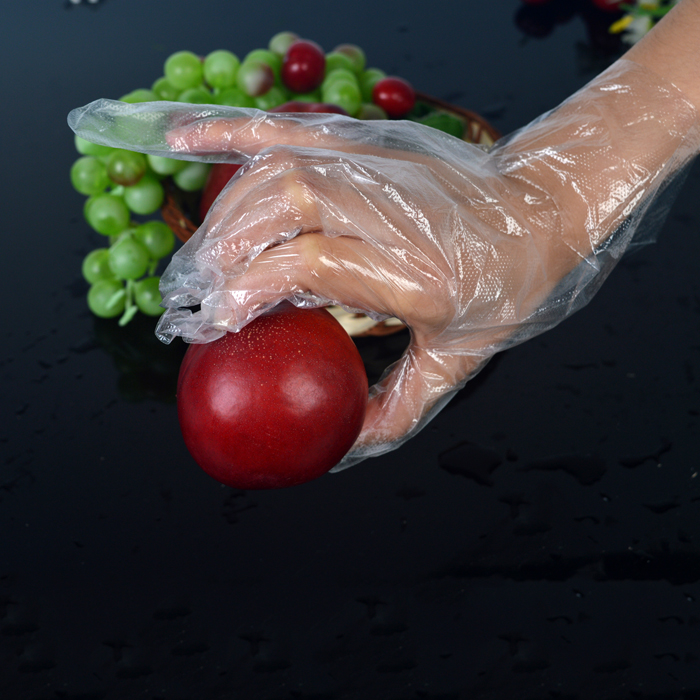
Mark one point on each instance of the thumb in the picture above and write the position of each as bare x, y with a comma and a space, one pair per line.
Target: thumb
412, 393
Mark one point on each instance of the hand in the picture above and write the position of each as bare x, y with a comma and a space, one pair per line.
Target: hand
474, 251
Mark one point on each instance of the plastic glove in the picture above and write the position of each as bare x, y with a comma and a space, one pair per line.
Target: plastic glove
475, 251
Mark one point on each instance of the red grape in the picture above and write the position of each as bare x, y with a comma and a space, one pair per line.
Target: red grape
609, 5
303, 68
319, 107
395, 96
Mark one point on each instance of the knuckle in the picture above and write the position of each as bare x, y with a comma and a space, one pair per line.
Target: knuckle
279, 157
309, 247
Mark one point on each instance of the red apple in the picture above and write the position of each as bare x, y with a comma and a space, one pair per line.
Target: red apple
218, 178
277, 404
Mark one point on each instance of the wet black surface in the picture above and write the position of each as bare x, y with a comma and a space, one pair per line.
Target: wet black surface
538, 541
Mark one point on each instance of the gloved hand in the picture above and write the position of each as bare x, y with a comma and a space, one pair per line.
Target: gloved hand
475, 251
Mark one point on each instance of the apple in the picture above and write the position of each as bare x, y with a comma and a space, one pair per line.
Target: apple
218, 178
277, 404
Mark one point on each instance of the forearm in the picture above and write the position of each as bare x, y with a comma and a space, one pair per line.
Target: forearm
605, 149
672, 49
595, 165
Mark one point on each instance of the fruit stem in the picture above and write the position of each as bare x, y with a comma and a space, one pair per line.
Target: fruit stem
130, 308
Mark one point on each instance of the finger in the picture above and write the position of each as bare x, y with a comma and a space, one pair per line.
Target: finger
418, 386
222, 134
219, 134
285, 191
249, 136
144, 126
310, 269
238, 228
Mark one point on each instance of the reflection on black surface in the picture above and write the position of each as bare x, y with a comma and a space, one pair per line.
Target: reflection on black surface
148, 369
540, 20
659, 564
94, 4
378, 353
471, 461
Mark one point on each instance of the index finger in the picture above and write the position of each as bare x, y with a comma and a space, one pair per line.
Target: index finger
222, 134
398, 140
206, 133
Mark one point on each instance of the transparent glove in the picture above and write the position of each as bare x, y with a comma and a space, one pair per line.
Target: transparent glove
475, 251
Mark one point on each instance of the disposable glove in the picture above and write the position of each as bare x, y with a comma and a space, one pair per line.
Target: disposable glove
474, 250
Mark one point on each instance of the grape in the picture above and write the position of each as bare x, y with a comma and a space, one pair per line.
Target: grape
196, 96
310, 107
220, 69
140, 95
269, 58
96, 266
325, 108
314, 96
368, 79
395, 96
89, 176
165, 90
339, 74
271, 99
233, 97
107, 214
345, 94
281, 42
255, 78
318, 82
86, 207
355, 55
128, 258
156, 237
192, 177
609, 5
303, 67
443, 121
335, 60
368, 111
145, 197
147, 296
107, 298
184, 70
87, 148
126, 167
165, 166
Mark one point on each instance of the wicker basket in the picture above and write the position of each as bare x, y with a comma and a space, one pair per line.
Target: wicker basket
179, 212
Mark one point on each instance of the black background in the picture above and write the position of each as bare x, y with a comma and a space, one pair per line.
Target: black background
539, 540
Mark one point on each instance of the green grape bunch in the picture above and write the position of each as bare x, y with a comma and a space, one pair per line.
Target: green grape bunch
291, 74
120, 186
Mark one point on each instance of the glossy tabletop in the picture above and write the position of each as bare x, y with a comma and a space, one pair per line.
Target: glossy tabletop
539, 540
